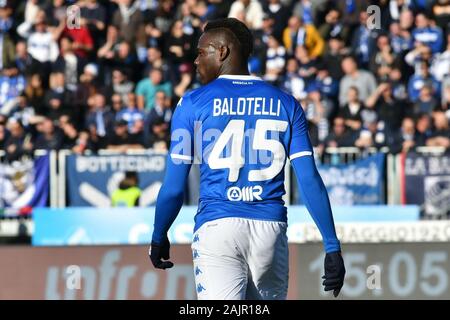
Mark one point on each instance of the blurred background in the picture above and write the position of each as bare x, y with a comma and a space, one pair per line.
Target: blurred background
87, 92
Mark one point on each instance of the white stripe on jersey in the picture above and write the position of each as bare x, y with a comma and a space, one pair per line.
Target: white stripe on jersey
300, 154
180, 157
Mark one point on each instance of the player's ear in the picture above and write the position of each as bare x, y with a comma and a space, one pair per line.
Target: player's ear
224, 51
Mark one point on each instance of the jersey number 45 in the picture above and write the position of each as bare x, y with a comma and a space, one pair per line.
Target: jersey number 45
235, 131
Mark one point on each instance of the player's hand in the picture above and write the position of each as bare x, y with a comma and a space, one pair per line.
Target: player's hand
334, 272
158, 252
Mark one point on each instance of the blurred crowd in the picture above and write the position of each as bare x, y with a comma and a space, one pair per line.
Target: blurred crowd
89, 75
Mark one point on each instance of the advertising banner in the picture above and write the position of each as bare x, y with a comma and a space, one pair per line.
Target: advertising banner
103, 226
427, 182
91, 180
358, 183
374, 271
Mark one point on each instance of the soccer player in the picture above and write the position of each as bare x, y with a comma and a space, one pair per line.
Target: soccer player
240, 247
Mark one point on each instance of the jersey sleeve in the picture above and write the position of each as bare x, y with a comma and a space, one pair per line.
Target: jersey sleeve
182, 132
300, 144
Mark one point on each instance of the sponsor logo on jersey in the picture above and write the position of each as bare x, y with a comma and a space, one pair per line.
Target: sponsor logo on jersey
251, 193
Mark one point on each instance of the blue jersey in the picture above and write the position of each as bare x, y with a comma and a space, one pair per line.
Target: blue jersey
241, 130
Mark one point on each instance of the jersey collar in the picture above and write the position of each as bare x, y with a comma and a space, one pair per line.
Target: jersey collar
239, 77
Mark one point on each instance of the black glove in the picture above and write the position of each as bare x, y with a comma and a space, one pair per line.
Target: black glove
158, 252
334, 272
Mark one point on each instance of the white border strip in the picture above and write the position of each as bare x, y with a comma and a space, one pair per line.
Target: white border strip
300, 154
180, 157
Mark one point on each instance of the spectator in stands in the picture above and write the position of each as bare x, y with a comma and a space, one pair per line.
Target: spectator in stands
83, 143
440, 136
8, 49
120, 85
364, 41
275, 60
390, 110
382, 61
307, 65
427, 34
165, 13
49, 137
423, 129
248, 11
131, 113
155, 60
333, 26
41, 44
405, 139
419, 80
185, 82
317, 112
69, 132
87, 86
158, 120
178, 45
426, 103
82, 41
123, 58
297, 33
291, 82
128, 23
55, 11
401, 39
116, 104
11, 86
35, 93
68, 63
147, 88
399, 90
55, 97
327, 86
99, 121
19, 142
309, 10
28, 10
441, 14
340, 136
95, 18
372, 134
352, 111
420, 54
332, 59
23, 59
440, 64
121, 140
23, 112
277, 11
361, 79
351, 11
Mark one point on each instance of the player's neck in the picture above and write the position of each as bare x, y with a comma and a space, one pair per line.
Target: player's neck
234, 70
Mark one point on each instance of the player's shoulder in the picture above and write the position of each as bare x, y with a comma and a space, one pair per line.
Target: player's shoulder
197, 94
288, 100
278, 92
